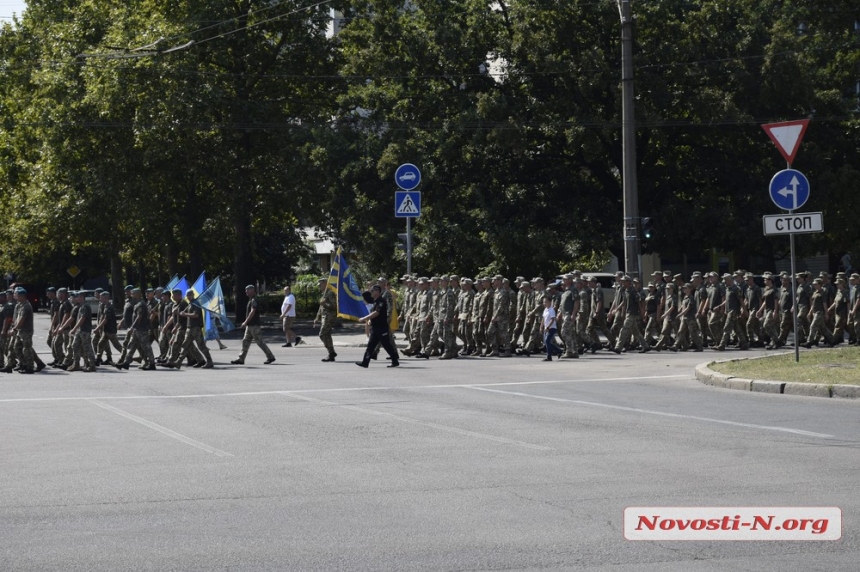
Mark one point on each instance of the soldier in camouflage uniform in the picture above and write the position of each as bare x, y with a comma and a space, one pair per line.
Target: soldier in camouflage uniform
566, 317
786, 301
802, 297
477, 319
534, 317
583, 313
325, 315
106, 330
689, 333
633, 310
60, 331
23, 334
768, 313
732, 304
616, 311
670, 314
839, 308
816, 315
597, 321
498, 332
82, 345
464, 316
752, 302
486, 313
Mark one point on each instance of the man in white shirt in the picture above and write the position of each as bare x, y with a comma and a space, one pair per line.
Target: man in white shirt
288, 316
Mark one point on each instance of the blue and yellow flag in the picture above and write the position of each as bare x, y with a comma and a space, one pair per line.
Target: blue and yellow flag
212, 301
182, 284
173, 282
198, 288
341, 281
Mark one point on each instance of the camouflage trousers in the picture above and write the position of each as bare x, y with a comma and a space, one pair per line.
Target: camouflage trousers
425, 329
596, 323
582, 334
498, 335
435, 338
4, 343
665, 333
139, 341
103, 342
467, 333
82, 348
689, 334
716, 321
803, 325
194, 346
163, 344
255, 334
840, 324
568, 336
754, 329
770, 327
534, 336
732, 325
617, 325
449, 339
630, 329
23, 347
651, 328
60, 343
519, 325
819, 327
786, 326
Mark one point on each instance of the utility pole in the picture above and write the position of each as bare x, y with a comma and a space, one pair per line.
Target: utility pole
632, 238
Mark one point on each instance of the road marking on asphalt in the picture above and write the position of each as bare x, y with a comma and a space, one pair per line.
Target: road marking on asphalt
338, 389
411, 421
161, 429
659, 413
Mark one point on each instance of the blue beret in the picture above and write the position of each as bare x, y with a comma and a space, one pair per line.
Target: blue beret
20, 290
177, 291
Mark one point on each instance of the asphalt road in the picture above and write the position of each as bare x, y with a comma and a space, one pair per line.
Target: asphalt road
470, 464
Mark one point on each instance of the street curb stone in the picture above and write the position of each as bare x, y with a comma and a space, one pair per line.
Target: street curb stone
710, 377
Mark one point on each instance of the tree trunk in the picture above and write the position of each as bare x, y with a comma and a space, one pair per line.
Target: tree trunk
243, 264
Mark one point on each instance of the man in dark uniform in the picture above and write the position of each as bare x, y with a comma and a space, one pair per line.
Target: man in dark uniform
253, 330
379, 330
194, 344
165, 307
106, 330
23, 329
139, 334
6, 313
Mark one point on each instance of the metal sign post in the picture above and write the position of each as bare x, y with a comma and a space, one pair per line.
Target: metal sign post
407, 203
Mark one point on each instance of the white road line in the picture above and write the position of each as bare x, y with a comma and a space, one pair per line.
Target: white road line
422, 423
660, 413
337, 389
160, 429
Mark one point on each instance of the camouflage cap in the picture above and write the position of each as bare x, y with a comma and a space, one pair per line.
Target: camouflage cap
382, 279
656, 273
823, 274
619, 274
486, 279
688, 285
625, 278
667, 273
727, 275
636, 279
455, 277
466, 281
651, 285
525, 284
444, 278
568, 276
537, 279
670, 285
498, 277
519, 279
591, 278
739, 272
697, 273
840, 281
434, 279
840, 275
677, 277
855, 276
749, 275
818, 281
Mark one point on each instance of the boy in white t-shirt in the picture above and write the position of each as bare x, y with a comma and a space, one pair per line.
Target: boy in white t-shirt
548, 328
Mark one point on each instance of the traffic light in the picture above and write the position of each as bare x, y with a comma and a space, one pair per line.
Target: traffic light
401, 241
647, 227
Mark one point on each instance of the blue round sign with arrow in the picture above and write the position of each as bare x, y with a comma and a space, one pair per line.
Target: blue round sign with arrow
789, 189
407, 176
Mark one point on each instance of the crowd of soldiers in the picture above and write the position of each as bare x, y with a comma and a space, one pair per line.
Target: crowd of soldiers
449, 316
155, 316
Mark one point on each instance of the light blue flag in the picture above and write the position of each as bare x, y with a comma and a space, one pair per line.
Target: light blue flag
198, 288
212, 301
173, 282
350, 302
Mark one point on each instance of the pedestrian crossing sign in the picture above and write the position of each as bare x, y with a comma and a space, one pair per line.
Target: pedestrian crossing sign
407, 204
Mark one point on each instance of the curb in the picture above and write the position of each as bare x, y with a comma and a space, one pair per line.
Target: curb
710, 377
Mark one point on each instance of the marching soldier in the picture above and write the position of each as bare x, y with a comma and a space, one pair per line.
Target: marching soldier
23, 332
254, 332
60, 335
732, 303
633, 310
769, 311
802, 296
816, 315
567, 317
325, 315
668, 317
194, 343
138, 334
477, 319
689, 332
498, 332
464, 316
82, 343
106, 330
752, 301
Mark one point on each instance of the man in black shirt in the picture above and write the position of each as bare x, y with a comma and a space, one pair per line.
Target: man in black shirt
379, 331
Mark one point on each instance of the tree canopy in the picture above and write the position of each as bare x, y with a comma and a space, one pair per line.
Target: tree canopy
145, 138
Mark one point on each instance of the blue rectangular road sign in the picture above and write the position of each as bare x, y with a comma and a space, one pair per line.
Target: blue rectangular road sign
407, 204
